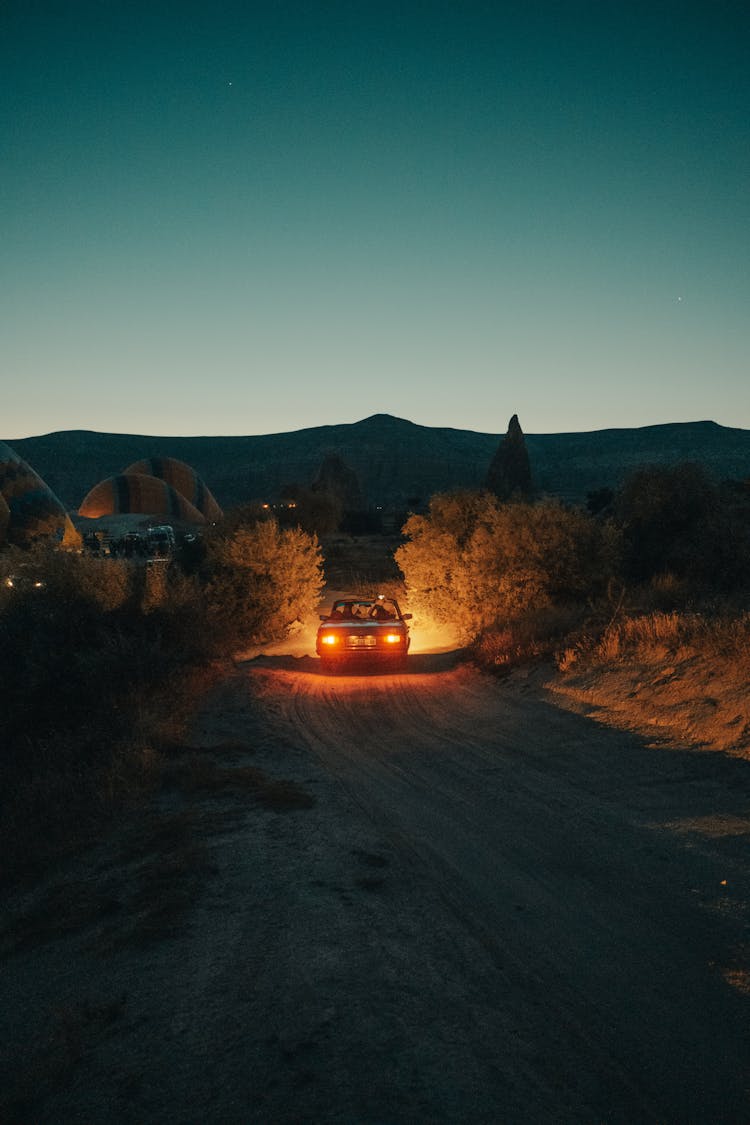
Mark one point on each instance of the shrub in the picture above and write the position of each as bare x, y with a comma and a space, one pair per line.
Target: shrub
534, 636
107, 582
722, 637
258, 580
74, 652
475, 562
99, 662
677, 521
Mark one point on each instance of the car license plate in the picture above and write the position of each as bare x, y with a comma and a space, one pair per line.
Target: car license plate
360, 642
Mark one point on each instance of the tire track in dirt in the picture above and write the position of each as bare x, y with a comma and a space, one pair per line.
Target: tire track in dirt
525, 819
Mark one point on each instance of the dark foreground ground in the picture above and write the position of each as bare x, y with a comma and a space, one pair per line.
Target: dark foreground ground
471, 905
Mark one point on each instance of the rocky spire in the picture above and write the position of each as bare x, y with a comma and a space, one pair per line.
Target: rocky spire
509, 474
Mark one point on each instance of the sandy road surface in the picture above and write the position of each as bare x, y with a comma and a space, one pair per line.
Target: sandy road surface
607, 896
496, 911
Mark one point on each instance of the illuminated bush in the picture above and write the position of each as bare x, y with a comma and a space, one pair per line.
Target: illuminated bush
721, 638
259, 580
474, 561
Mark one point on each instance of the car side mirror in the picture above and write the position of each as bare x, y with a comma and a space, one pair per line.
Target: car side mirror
324, 617
406, 616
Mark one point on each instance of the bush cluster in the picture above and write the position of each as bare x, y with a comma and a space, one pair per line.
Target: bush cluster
677, 521
98, 659
474, 561
670, 539
256, 581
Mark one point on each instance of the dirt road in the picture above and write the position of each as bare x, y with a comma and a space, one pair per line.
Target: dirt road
495, 911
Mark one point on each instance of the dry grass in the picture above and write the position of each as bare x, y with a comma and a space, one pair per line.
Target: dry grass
657, 636
529, 639
681, 678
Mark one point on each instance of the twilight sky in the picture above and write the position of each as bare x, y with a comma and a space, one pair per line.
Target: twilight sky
226, 217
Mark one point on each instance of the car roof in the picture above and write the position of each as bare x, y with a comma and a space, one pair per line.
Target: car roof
362, 601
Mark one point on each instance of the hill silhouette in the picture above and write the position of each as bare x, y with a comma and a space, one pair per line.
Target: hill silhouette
398, 463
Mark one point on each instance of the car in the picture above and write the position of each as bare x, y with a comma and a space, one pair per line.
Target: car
359, 631
132, 545
24, 578
160, 541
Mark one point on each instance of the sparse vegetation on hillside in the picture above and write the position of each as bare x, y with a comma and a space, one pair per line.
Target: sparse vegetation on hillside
102, 663
394, 459
649, 587
681, 678
102, 659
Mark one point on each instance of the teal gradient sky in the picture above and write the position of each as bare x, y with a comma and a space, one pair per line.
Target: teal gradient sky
230, 218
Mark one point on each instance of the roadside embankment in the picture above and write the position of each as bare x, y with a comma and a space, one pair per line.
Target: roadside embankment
679, 679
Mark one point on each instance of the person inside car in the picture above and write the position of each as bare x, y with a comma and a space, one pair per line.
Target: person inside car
344, 612
380, 613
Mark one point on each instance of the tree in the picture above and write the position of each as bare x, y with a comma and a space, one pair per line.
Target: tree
509, 474
675, 520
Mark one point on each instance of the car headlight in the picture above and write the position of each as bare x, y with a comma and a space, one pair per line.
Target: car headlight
329, 639
393, 638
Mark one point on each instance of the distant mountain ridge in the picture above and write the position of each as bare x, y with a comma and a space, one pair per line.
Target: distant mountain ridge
399, 463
